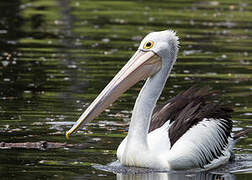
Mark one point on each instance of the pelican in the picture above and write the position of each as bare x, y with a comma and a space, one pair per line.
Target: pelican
183, 133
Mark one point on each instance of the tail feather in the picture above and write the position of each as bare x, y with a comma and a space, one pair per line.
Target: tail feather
241, 134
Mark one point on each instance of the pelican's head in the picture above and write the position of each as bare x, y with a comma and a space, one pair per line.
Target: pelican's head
157, 52
163, 43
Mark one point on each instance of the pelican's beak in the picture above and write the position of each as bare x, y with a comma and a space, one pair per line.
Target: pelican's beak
143, 64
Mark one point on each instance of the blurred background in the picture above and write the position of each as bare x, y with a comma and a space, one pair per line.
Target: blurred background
57, 55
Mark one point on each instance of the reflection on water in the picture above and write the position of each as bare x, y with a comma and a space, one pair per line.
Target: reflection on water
176, 176
57, 55
242, 164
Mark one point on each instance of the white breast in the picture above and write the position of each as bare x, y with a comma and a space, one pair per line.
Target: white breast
153, 157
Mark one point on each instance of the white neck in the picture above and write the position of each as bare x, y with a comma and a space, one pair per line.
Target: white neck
142, 112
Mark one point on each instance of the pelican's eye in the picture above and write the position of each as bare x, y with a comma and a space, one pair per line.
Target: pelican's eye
148, 44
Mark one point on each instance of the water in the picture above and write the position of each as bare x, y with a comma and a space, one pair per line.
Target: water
57, 55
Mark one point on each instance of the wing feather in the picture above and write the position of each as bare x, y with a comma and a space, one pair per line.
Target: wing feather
187, 109
190, 114
200, 145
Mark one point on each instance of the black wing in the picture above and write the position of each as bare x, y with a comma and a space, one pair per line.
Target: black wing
187, 109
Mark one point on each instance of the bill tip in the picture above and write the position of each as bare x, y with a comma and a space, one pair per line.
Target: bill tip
67, 135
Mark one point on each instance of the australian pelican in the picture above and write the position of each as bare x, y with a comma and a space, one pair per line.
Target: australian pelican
183, 133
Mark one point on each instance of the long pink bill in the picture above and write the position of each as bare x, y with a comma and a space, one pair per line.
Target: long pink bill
142, 65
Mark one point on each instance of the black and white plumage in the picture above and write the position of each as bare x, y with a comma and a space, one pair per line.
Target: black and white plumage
189, 110
199, 133
184, 133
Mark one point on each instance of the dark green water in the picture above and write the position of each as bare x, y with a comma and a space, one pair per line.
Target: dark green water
57, 55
